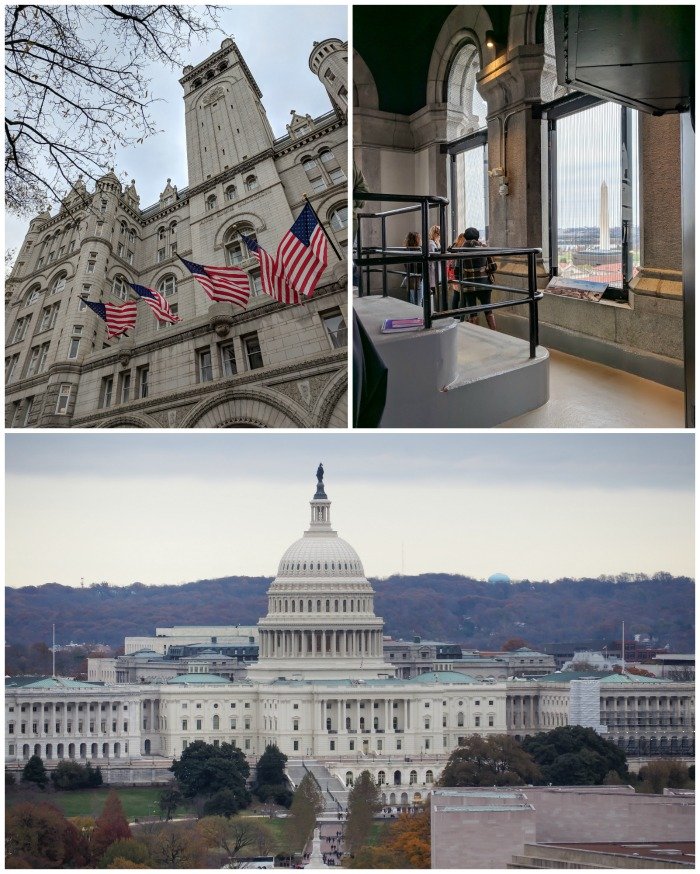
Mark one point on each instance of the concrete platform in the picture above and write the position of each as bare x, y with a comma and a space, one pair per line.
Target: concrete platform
455, 375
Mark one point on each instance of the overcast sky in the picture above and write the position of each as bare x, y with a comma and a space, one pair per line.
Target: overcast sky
171, 508
276, 42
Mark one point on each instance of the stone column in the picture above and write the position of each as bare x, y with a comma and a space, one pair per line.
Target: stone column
658, 285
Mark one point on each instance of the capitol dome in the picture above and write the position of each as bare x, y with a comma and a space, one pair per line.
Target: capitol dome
320, 552
318, 556
320, 621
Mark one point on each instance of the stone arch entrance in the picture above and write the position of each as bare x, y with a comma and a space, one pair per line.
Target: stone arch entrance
252, 408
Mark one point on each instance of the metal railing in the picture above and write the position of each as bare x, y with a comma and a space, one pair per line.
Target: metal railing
381, 259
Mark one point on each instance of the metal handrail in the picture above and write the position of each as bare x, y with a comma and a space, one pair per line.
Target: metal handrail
378, 259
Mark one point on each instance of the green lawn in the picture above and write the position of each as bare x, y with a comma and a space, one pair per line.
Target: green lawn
137, 802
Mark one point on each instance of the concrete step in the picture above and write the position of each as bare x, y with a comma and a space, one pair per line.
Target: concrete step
455, 374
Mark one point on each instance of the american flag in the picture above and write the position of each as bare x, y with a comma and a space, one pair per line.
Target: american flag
158, 304
271, 276
120, 318
303, 252
222, 283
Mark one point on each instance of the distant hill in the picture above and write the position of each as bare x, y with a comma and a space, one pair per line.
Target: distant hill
434, 606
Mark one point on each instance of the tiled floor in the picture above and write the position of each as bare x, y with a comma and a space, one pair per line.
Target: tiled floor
587, 395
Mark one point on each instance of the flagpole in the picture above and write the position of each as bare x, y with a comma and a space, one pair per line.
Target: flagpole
320, 224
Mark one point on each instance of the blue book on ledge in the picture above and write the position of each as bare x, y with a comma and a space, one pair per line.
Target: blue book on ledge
393, 326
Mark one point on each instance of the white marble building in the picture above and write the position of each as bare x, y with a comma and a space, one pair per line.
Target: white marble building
267, 366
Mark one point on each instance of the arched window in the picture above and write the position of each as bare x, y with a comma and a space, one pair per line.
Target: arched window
132, 235
251, 183
168, 285
236, 250
58, 284
429, 777
381, 778
311, 167
326, 156
211, 201
231, 192
119, 287
215, 722
412, 778
173, 229
460, 719
348, 778
122, 229
339, 218
161, 233
32, 294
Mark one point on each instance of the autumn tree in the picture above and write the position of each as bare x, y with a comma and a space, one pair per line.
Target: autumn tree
307, 804
35, 772
513, 643
405, 844
110, 826
364, 802
575, 756
78, 86
496, 760
40, 836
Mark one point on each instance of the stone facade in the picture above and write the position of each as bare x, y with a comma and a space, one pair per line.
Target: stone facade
642, 716
267, 366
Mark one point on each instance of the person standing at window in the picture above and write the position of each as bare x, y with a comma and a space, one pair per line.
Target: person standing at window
481, 270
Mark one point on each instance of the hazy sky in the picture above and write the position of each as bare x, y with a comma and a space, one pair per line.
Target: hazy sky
170, 508
276, 42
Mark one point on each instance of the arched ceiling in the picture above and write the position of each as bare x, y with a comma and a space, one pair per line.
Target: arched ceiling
396, 43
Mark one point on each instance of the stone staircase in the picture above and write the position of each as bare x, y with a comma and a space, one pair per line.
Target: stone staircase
335, 795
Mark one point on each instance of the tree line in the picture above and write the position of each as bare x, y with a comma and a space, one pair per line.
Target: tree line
434, 606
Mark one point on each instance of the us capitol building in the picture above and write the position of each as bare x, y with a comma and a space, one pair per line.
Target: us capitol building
267, 366
320, 690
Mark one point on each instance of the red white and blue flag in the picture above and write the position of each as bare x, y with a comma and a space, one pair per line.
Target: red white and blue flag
120, 318
229, 284
272, 278
157, 302
302, 254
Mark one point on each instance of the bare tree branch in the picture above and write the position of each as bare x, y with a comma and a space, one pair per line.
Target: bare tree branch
76, 88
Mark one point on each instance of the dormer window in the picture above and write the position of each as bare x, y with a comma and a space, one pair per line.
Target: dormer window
211, 202
251, 183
